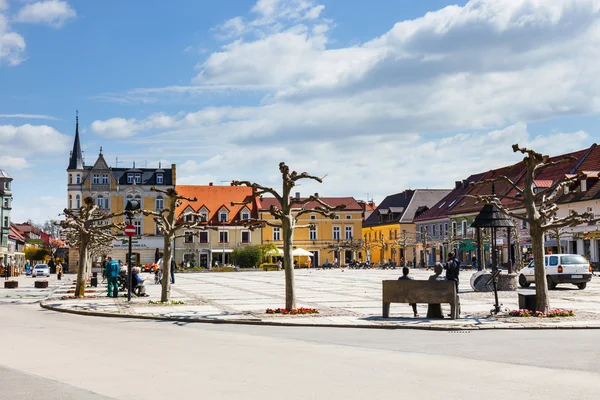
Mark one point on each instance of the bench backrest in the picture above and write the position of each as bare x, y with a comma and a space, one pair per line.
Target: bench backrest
412, 291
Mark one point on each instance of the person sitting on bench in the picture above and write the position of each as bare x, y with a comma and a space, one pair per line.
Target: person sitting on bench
139, 289
405, 276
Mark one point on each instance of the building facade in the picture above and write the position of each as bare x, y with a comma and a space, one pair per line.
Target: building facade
328, 239
6, 207
111, 188
224, 220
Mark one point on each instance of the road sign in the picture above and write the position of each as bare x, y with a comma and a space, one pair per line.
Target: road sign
129, 230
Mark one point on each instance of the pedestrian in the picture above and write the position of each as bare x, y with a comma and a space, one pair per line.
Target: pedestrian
335, 262
58, 271
452, 268
159, 270
309, 263
173, 266
405, 277
474, 264
27, 268
104, 270
113, 269
279, 265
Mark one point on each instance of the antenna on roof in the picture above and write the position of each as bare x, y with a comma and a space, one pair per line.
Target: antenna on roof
117, 162
145, 164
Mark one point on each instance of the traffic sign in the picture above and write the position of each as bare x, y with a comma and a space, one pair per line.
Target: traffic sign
129, 230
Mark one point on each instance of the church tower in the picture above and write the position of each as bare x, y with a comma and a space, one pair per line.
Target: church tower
75, 171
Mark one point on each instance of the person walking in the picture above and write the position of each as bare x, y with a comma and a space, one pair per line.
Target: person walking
173, 266
405, 277
452, 268
113, 269
58, 271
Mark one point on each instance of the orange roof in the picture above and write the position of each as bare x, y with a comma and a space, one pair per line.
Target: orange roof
213, 198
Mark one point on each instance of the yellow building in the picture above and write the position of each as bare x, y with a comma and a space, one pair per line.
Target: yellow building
322, 239
111, 188
389, 232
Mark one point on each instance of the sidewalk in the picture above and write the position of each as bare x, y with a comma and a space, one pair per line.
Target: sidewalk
349, 299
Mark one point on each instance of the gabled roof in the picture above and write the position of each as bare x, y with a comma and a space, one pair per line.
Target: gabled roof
15, 234
350, 203
397, 201
443, 207
589, 165
148, 176
422, 200
213, 198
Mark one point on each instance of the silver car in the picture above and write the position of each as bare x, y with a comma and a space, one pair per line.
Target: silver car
40, 270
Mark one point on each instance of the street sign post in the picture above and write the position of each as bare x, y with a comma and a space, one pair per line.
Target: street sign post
129, 230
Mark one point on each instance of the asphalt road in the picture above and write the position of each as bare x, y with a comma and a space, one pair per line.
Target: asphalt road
62, 356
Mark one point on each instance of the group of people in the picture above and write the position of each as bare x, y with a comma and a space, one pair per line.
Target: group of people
452, 267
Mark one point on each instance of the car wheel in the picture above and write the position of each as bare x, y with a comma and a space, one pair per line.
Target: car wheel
523, 281
581, 285
551, 284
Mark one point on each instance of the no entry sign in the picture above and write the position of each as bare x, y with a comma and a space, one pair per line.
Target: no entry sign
129, 230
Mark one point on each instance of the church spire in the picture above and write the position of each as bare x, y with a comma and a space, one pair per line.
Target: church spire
76, 159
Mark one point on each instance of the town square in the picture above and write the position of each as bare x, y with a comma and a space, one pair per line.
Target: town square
299, 198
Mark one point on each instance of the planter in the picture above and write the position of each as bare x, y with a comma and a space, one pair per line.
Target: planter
11, 284
41, 284
507, 282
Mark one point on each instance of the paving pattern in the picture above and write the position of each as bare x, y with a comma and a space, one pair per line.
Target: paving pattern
343, 297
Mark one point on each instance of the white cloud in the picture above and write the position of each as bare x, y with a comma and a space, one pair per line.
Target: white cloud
12, 163
28, 116
116, 127
12, 45
3, 5
31, 139
51, 12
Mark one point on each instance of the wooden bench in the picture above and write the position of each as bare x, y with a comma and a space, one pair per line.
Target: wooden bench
412, 291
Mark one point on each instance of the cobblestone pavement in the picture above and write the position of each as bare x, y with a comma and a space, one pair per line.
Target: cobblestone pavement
349, 298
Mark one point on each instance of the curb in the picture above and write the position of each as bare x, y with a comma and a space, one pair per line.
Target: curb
308, 325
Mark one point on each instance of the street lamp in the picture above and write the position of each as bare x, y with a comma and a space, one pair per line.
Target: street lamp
130, 209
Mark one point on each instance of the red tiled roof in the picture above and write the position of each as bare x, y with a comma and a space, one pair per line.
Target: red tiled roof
350, 202
15, 234
542, 183
216, 197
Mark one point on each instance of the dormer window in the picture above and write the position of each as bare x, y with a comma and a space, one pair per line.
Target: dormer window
223, 216
138, 178
129, 178
159, 179
189, 218
245, 215
204, 216
96, 179
583, 185
104, 179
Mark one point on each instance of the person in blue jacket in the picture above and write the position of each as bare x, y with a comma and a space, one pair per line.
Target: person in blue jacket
113, 269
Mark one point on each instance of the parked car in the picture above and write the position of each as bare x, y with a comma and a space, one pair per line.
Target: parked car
560, 268
40, 270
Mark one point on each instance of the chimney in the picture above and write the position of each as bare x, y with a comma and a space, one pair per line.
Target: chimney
210, 184
297, 195
174, 174
316, 194
465, 183
458, 185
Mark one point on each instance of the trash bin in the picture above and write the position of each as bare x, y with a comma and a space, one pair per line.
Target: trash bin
527, 301
94, 280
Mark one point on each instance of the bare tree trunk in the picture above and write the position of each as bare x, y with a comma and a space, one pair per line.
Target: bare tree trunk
541, 286
288, 234
166, 277
82, 267
557, 234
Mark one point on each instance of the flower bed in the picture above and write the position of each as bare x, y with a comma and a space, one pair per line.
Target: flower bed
11, 284
295, 311
551, 314
86, 291
41, 284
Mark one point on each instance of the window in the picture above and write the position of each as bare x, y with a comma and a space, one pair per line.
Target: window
348, 233
433, 233
336, 233
312, 233
157, 231
590, 211
446, 229
100, 201
245, 236
104, 179
554, 260
203, 237
129, 178
464, 227
348, 216
454, 228
451, 203
6, 222
523, 224
78, 180
441, 230
245, 216
223, 216
188, 218
188, 237
6, 202
96, 179
204, 216
77, 201
313, 217
70, 201
138, 178
442, 205
336, 217
159, 179
138, 227
160, 203
223, 237
276, 234
70, 178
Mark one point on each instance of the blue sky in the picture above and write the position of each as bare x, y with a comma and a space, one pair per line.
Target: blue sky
379, 96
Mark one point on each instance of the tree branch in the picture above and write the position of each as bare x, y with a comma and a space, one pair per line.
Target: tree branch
256, 189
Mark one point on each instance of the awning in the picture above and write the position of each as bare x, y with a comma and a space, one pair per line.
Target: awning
274, 252
301, 253
215, 250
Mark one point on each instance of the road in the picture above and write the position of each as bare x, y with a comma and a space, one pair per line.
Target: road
65, 356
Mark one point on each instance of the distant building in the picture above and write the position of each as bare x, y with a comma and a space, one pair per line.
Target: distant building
111, 188
6, 207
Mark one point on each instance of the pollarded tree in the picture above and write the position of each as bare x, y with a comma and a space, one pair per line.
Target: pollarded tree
286, 217
540, 210
169, 225
90, 230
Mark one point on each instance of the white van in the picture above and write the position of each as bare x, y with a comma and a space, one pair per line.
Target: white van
560, 268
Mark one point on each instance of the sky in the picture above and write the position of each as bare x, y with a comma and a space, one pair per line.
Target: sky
375, 96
